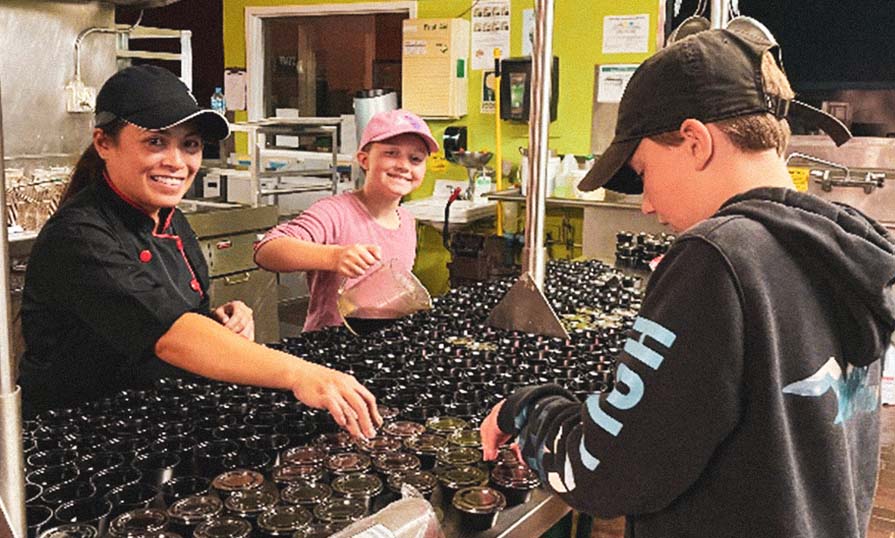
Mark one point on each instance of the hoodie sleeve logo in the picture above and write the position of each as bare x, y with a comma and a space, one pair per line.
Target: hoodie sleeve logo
854, 393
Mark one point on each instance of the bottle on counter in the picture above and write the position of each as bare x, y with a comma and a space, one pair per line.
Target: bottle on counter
218, 103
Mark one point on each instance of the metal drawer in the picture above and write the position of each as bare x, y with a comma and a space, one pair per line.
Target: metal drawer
227, 254
256, 288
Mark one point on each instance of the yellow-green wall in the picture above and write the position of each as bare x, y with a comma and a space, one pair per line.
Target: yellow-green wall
577, 39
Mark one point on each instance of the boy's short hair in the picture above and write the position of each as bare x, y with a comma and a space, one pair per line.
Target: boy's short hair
712, 76
752, 132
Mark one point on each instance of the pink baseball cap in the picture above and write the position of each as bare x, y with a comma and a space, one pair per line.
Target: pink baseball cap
385, 125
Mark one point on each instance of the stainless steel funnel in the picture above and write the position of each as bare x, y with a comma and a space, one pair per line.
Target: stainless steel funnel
524, 307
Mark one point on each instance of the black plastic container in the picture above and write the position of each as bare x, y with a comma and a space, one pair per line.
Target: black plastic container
54, 496
71, 530
32, 492
132, 497
445, 425
457, 456
190, 511
479, 507
51, 476
466, 438
313, 455
283, 521
515, 481
333, 443
223, 527
388, 463
422, 481
379, 444
250, 503
403, 429
426, 446
340, 511
290, 473
184, 486
157, 467
92, 511
347, 463
317, 529
358, 486
306, 493
236, 480
37, 518
143, 522
453, 479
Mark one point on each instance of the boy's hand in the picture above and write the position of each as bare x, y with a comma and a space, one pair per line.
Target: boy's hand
353, 261
237, 317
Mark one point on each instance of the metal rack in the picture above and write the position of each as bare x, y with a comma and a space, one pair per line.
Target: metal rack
124, 54
258, 131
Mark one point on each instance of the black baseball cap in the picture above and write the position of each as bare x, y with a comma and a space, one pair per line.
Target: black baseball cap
154, 98
710, 76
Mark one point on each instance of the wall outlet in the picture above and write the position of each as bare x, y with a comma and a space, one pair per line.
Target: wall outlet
79, 98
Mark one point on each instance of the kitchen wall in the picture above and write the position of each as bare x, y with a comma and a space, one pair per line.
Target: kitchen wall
37, 40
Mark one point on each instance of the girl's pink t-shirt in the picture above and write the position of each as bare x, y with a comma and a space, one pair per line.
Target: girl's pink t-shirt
343, 220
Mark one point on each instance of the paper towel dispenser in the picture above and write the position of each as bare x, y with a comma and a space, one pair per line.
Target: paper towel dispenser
515, 88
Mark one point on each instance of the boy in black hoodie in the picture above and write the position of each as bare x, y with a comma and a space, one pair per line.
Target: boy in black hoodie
747, 394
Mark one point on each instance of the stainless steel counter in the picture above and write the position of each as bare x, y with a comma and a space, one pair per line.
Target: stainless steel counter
527, 520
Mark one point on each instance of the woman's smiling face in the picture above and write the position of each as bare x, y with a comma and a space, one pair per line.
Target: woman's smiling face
152, 169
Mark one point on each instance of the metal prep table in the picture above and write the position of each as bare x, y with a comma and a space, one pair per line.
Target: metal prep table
528, 520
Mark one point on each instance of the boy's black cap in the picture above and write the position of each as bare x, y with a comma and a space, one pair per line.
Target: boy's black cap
154, 98
709, 76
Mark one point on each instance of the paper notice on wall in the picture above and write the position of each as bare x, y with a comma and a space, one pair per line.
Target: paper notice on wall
488, 92
235, 89
490, 32
612, 80
528, 31
625, 33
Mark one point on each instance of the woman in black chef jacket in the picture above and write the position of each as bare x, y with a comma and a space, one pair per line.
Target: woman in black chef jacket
116, 291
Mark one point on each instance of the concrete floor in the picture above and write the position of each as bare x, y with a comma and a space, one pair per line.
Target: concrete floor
882, 521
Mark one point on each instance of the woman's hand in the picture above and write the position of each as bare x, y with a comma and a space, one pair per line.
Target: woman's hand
237, 317
492, 437
352, 261
351, 405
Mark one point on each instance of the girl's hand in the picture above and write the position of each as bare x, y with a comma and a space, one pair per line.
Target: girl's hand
351, 405
237, 317
352, 261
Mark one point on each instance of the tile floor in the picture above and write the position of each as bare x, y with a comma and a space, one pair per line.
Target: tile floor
882, 521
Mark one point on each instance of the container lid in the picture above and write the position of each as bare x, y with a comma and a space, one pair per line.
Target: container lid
466, 438
445, 425
403, 429
423, 481
303, 454
378, 444
357, 485
516, 476
459, 455
347, 462
426, 443
479, 500
391, 462
388, 414
195, 508
334, 442
293, 472
139, 522
461, 477
284, 520
223, 527
340, 510
71, 530
306, 492
317, 529
238, 480
252, 502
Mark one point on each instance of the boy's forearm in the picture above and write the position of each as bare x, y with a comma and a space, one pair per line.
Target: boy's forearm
286, 254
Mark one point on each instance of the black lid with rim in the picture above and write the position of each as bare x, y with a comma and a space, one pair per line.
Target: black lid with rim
357, 485
347, 462
461, 477
479, 500
379, 444
284, 520
304, 454
458, 455
223, 527
71, 530
427, 443
252, 502
139, 522
466, 438
516, 476
395, 462
334, 442
422, 481
296, 472
237, 480
340, 510
403, 429
445, 425
194, 509
306, 493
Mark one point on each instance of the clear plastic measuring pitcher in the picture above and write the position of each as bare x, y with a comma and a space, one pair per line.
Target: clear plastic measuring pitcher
384, 294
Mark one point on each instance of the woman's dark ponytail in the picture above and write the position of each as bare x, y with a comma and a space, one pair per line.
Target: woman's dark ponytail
90, 165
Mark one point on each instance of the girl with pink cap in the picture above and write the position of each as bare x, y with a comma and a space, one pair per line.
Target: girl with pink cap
342, 236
